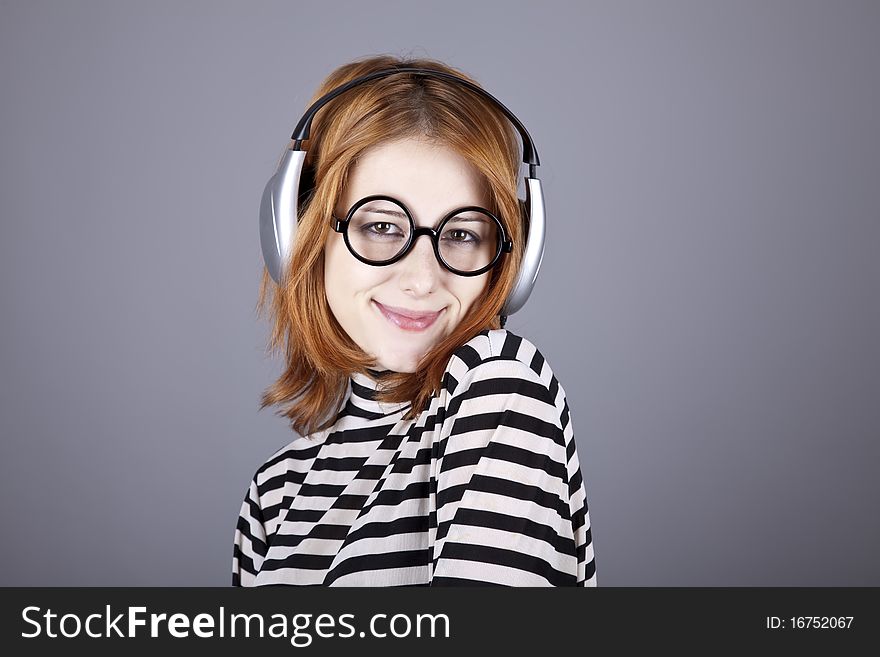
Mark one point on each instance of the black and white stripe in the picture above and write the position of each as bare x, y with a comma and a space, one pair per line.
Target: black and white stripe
484, 487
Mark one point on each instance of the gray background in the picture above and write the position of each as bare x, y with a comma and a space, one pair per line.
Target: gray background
708, 298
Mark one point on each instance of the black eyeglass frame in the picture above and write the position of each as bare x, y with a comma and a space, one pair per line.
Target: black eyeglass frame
341, 226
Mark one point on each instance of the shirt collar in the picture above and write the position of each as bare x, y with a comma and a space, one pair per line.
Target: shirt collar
363, 393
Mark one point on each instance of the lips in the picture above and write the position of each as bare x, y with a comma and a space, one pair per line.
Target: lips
406, 319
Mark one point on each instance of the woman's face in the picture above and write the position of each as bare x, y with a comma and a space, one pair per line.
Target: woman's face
431, 180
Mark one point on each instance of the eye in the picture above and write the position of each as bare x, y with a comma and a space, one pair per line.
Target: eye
379, 221
380, 228
460, 235
468, 229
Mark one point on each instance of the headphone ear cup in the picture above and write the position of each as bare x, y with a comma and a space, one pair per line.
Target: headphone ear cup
524, 218
532, 247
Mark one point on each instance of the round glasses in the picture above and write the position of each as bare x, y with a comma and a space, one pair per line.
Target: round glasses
379, 230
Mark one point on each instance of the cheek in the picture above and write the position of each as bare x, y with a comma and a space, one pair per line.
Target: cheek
332, 270
344, 275
469, 290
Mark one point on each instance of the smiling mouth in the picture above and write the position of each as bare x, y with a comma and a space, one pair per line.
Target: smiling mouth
407, 323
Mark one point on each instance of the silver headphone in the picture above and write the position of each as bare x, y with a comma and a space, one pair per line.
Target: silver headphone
283, 193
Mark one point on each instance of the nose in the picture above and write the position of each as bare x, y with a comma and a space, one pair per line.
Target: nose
419, 270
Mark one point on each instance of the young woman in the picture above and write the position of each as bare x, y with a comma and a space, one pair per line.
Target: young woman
437, 447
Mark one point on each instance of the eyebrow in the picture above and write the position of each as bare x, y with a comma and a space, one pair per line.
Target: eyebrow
480, 219
392, 213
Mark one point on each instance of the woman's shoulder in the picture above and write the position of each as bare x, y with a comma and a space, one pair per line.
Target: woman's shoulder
498, 344
499, 354
294, 457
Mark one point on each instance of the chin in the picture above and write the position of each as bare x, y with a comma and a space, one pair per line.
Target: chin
403, 368
403, 365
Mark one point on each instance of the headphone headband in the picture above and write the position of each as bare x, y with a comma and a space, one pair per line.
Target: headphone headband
303, 128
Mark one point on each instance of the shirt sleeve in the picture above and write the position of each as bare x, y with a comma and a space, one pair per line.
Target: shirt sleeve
249, 548
504, 515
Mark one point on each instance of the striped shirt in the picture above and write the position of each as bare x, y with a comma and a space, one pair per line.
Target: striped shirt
483, 487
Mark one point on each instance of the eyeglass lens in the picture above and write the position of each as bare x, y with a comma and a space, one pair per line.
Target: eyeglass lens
380, 229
